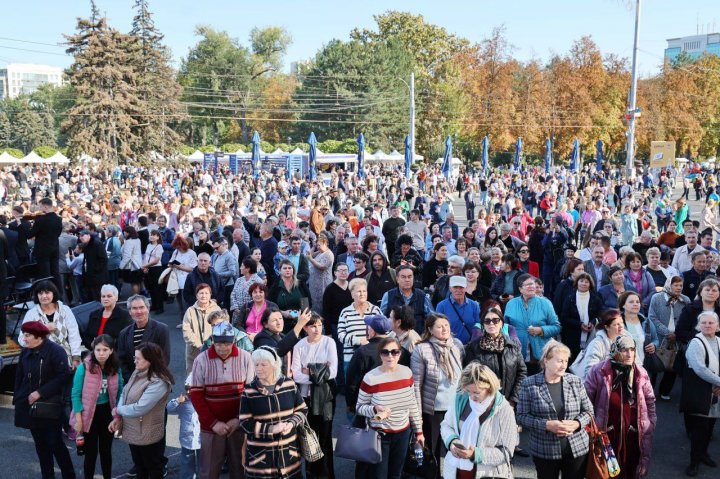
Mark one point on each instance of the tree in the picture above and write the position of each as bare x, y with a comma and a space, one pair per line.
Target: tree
5, 130
101, 121
156, 86
23, 126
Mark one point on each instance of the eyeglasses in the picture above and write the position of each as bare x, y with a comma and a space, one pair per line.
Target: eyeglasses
491, 320
358, 261
523, 251
390, 352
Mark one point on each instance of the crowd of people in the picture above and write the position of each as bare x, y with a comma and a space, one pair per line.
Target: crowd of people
567, 299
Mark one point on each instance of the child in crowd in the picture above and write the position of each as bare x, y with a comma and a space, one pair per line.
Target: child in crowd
189, 433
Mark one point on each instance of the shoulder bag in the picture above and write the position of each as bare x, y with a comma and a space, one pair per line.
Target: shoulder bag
50, 409
601, 463
309, 443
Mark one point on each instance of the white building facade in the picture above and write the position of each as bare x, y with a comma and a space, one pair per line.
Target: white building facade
22, 78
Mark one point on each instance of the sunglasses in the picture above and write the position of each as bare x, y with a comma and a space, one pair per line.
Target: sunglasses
523, 251
491, 320
390, 352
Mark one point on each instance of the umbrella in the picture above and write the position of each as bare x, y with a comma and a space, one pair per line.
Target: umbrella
256, 165
447, 157
599, 155
575, 156
485, 148
361, 155
408, 156
548, 155
312, 141
518, 153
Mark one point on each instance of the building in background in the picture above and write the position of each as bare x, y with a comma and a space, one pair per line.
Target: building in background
22, 78
694, 46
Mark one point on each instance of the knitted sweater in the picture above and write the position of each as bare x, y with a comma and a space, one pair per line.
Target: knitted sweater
218, 384
394, 390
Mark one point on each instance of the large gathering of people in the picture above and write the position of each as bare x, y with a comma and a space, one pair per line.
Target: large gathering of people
565, 301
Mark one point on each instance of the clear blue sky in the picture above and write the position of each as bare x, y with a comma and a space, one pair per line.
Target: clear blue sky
537, 28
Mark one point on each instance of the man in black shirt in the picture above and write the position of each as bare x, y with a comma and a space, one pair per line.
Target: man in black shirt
46, 230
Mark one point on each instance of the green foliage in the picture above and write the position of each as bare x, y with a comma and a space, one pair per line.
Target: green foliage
14, 152
186, 150
207, 149
232, 147
45, 151
303, 146
330, 146
265, 146
23, 126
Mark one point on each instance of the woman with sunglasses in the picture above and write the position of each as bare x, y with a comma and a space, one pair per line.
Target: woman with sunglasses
436, 364
525, 263
387, 399
498, 351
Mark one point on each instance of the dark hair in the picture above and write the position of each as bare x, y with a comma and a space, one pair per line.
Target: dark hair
156, 357
404, 239
314, 319
130, 232
622, 299
384, 342
437, 246
607, 317
486, 241
112, 365
46, 202
384, 259
630, 257
266, 314
46, 286
361, 256
367, 240
287, 261
250, 265
142, 220
586, 276
202, 286
510, 258
524, 277
472, 265
570, 266
405, 315
260, 286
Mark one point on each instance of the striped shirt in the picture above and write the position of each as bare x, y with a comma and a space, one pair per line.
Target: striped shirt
394, 390
217, 385
351, 328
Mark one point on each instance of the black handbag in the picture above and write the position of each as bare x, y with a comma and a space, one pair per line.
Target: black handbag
696, 396
653, 364
50, 409
356, 444
426, 470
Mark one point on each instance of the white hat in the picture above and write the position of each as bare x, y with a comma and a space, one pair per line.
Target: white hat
460, 281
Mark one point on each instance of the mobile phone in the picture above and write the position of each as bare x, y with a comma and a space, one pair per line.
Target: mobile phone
304, 304
70, 250
460, 446
174, 262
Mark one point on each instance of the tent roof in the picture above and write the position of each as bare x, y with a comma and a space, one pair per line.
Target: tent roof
6, 157
279, 152
297, 151
454, 161
196, 155
85, 158
58, 158
32, 157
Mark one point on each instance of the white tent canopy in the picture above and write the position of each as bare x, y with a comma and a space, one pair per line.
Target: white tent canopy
454, 161
297, 151
279, 152
85, 158
196, 155
6, 158
33, 157
58, 158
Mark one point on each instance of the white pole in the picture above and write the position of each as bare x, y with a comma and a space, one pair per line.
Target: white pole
412, 118
630, 160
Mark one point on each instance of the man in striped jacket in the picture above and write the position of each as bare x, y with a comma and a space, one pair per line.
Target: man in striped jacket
218, 379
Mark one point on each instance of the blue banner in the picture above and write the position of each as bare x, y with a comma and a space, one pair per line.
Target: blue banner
207, 160
233, 159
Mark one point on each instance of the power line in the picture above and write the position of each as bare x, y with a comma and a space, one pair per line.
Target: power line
35, 51
59, 45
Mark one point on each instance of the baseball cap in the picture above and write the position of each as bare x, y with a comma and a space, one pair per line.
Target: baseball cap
223, 333
282, 245
460, 281
379, 323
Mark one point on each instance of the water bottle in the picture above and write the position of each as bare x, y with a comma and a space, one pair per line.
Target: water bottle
419, 456
80, 445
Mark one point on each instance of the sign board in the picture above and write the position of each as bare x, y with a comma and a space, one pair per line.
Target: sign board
207, 160
662, 154
234, 164
296, 164
219, 155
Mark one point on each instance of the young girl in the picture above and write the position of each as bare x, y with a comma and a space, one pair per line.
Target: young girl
96, 390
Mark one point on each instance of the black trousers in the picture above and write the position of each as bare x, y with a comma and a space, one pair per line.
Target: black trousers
431, 431
49, 267
325, 467
50, 447
570, 467
149, 460
99, 439
700, 430
156, 290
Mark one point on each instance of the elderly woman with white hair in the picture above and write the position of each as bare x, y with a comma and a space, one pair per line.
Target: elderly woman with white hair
271, 408
109, 319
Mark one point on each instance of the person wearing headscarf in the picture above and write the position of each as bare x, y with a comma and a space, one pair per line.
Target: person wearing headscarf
624, 402
665, 309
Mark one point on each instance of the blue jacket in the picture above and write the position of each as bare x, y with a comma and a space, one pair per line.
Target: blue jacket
610, 297
540, 313
461, 326
189, 423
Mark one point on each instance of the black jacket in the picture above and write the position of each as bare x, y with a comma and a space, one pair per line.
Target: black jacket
364, 360
12, 252
195, 277
45, 370
570, 319
685, 325
155, 332
22, 228
94, 262
510, 368
118, 320
46, 231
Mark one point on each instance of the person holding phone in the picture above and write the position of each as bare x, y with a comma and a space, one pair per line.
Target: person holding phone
287, 294
479, 422
321, 262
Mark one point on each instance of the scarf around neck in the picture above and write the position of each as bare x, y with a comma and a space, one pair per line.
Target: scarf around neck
624, 375
449, 364
492, 344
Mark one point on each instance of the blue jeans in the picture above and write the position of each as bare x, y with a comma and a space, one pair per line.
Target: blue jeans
189, 463
394, 449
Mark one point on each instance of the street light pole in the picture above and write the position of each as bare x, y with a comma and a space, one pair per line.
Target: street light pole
632, 109
412, 117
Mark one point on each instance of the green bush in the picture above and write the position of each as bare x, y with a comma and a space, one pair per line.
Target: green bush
186, 150
232, 147
303, 146
14, 152
45, 151
207, 149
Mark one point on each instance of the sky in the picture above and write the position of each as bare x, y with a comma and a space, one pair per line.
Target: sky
537, 29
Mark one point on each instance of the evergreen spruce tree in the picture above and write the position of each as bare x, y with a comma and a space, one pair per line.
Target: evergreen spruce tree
157, 88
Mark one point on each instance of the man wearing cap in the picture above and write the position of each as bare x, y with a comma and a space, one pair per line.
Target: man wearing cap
456, 263
462, 312
218, 379
94, 264
366, 357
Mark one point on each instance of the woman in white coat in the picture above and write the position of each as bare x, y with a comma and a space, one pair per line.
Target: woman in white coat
131, 259
479, 429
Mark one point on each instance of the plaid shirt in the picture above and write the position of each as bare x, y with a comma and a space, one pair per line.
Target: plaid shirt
535, 408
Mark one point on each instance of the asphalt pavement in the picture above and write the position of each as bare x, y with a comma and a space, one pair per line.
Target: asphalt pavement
18, 459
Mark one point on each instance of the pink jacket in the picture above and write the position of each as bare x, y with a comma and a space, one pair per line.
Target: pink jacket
91, 391
598, 383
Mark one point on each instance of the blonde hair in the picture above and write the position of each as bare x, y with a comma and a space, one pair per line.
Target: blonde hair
551, 349
481, 376
355, 282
